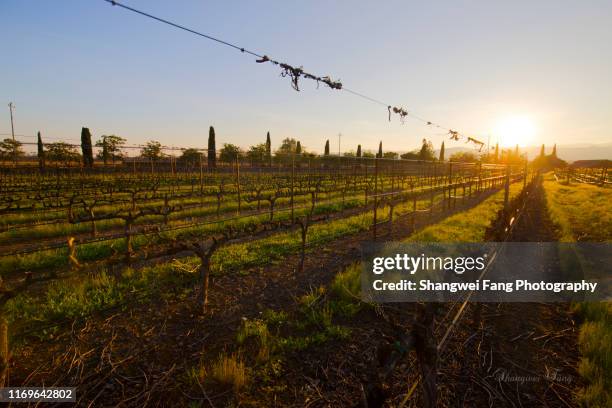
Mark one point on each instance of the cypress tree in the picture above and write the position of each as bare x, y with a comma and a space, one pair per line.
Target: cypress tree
41, 153
542, 151
212, 149
442, 152
268, 149
298, 148
380, 153
326, 153
554, 152
358, 150
86, 148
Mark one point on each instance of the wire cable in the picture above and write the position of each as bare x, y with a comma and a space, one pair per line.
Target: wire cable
293, 72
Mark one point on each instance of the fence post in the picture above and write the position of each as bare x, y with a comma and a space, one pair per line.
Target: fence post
201, 177
507, 188
238, 183
431, 200
4, 352
414, 212
427, 353
365, 175
375, 195
450, 183
292, 184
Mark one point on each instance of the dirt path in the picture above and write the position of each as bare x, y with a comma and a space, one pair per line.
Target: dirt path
524, 354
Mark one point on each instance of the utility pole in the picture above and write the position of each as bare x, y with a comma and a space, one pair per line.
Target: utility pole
11, 106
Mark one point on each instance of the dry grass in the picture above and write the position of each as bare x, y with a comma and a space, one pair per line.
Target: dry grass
229, 371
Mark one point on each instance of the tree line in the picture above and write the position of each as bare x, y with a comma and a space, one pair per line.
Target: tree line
110, 151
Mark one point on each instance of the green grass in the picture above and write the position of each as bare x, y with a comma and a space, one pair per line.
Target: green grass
83, 295
467, 226
79, 297
312, 323
57, 258
595, 343
228, 205
581, 212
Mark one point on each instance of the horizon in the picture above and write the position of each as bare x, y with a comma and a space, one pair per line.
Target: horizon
147, 81
531, 152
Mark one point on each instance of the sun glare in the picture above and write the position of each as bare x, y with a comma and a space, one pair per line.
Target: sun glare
514, 130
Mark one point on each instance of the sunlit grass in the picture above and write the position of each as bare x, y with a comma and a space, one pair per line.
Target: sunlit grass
582, 212
469, 225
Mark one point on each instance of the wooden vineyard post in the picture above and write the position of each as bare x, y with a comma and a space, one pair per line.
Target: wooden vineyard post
4, 352
366, 180
5, 295
450, 183
375, 196
569, 175
507, 188
292, 186
391, 208
427, 353
470, 185
238, 183
414, 212
455, 195
431, 201
201, 179
173, 173
434, 180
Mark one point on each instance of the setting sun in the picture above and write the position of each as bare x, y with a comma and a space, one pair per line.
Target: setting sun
514, 130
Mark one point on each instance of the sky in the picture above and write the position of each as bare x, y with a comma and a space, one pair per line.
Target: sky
487, 69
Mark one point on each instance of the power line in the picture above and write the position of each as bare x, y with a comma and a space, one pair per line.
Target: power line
295, 73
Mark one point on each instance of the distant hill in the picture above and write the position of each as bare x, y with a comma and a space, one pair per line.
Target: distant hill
575, 152
568, 153
593, 163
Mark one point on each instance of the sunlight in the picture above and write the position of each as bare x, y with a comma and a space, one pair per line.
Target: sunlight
514, 130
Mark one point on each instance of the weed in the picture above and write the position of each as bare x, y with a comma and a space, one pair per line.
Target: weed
229, 371
257, 329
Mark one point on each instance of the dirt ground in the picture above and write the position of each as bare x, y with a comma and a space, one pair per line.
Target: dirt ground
139, 356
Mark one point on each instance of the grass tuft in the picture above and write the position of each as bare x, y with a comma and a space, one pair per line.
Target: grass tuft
229, 371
